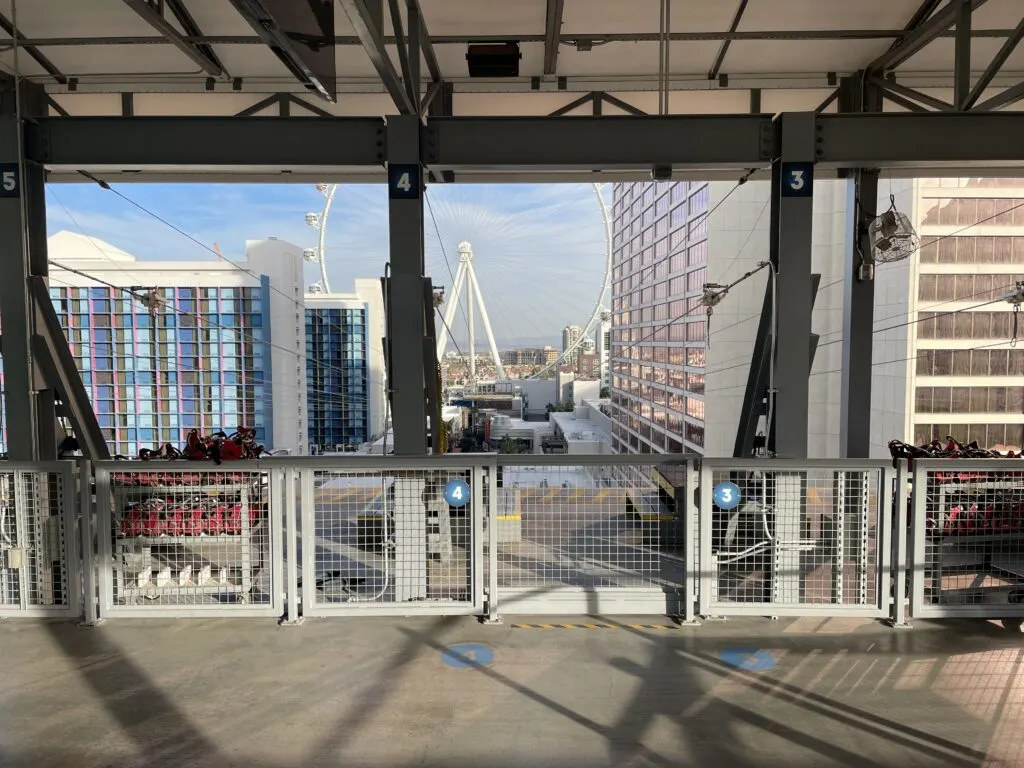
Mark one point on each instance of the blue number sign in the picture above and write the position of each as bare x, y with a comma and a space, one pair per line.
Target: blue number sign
403, 182
10, 180
726, 495
456, 493
797, 179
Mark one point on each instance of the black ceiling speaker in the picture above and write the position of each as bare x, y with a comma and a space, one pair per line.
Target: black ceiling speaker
493, 59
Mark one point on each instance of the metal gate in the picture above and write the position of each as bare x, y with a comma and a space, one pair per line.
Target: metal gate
180, 538
391, 536
40, 572
592, 534
967, 534
790, 538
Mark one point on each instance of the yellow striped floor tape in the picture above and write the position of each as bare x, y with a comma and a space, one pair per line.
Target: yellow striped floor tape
593, 626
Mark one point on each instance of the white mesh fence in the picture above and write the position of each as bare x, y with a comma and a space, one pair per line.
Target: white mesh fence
186, 537
968, 527
390, 538
39, 568
794, 539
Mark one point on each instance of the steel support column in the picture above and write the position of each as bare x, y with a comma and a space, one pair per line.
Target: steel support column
859, 298
406, 303
792, 208
962, 55
29, 408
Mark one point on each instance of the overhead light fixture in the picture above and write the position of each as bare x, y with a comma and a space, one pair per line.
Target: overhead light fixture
493, 59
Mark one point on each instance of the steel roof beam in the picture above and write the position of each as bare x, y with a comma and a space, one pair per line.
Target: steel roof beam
426, 44
33, 51
997, 64
552, 29
891, 86
284, 47
922, 140
225, 143
594, 37
372, 40
921, 15
1010, 96
724, 49
587, 142
936, 25
202, 56
174, 145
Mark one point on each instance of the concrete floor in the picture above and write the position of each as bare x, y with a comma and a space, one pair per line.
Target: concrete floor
381, 692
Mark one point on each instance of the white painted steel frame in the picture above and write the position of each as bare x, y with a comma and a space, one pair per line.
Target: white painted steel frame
477, 464
589, 601
919, 539
105, 553
882, 607
70, 558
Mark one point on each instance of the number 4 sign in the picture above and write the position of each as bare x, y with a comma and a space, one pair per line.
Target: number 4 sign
9, 180
797, 179
403, 182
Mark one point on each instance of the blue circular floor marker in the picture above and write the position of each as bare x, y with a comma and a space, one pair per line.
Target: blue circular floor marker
467, 656
750, 659
456, 493
726, 495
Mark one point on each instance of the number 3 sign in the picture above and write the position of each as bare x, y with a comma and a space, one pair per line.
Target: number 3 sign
797, 179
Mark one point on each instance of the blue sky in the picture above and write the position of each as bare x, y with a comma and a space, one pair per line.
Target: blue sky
540, 248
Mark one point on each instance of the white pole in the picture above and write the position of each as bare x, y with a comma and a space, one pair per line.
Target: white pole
449, 310
472, 331
487, 323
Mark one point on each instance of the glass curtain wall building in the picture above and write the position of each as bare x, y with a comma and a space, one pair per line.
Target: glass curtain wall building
345, 377
659, 270
198, 362
337, 377
205, 358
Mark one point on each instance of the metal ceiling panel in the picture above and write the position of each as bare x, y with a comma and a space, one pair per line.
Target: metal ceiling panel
502, 18
690, 58
807, 56
814, 14
610, 16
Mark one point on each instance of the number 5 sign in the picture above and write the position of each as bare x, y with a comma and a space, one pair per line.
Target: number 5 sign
9, 180
403, 182
797, 179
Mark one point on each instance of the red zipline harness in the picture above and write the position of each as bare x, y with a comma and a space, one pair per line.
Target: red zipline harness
218, 447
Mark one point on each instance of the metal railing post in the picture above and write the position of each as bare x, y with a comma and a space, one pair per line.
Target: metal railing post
291, 580
707, 573
899, 548
691, 525
492, 617
88, 546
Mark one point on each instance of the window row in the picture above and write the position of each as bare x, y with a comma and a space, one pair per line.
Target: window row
970, 362
171, 393
169, 377
972, 250
964, 287
105, 292
967, 211
210, 321
969, 400
965, 325
149, 335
